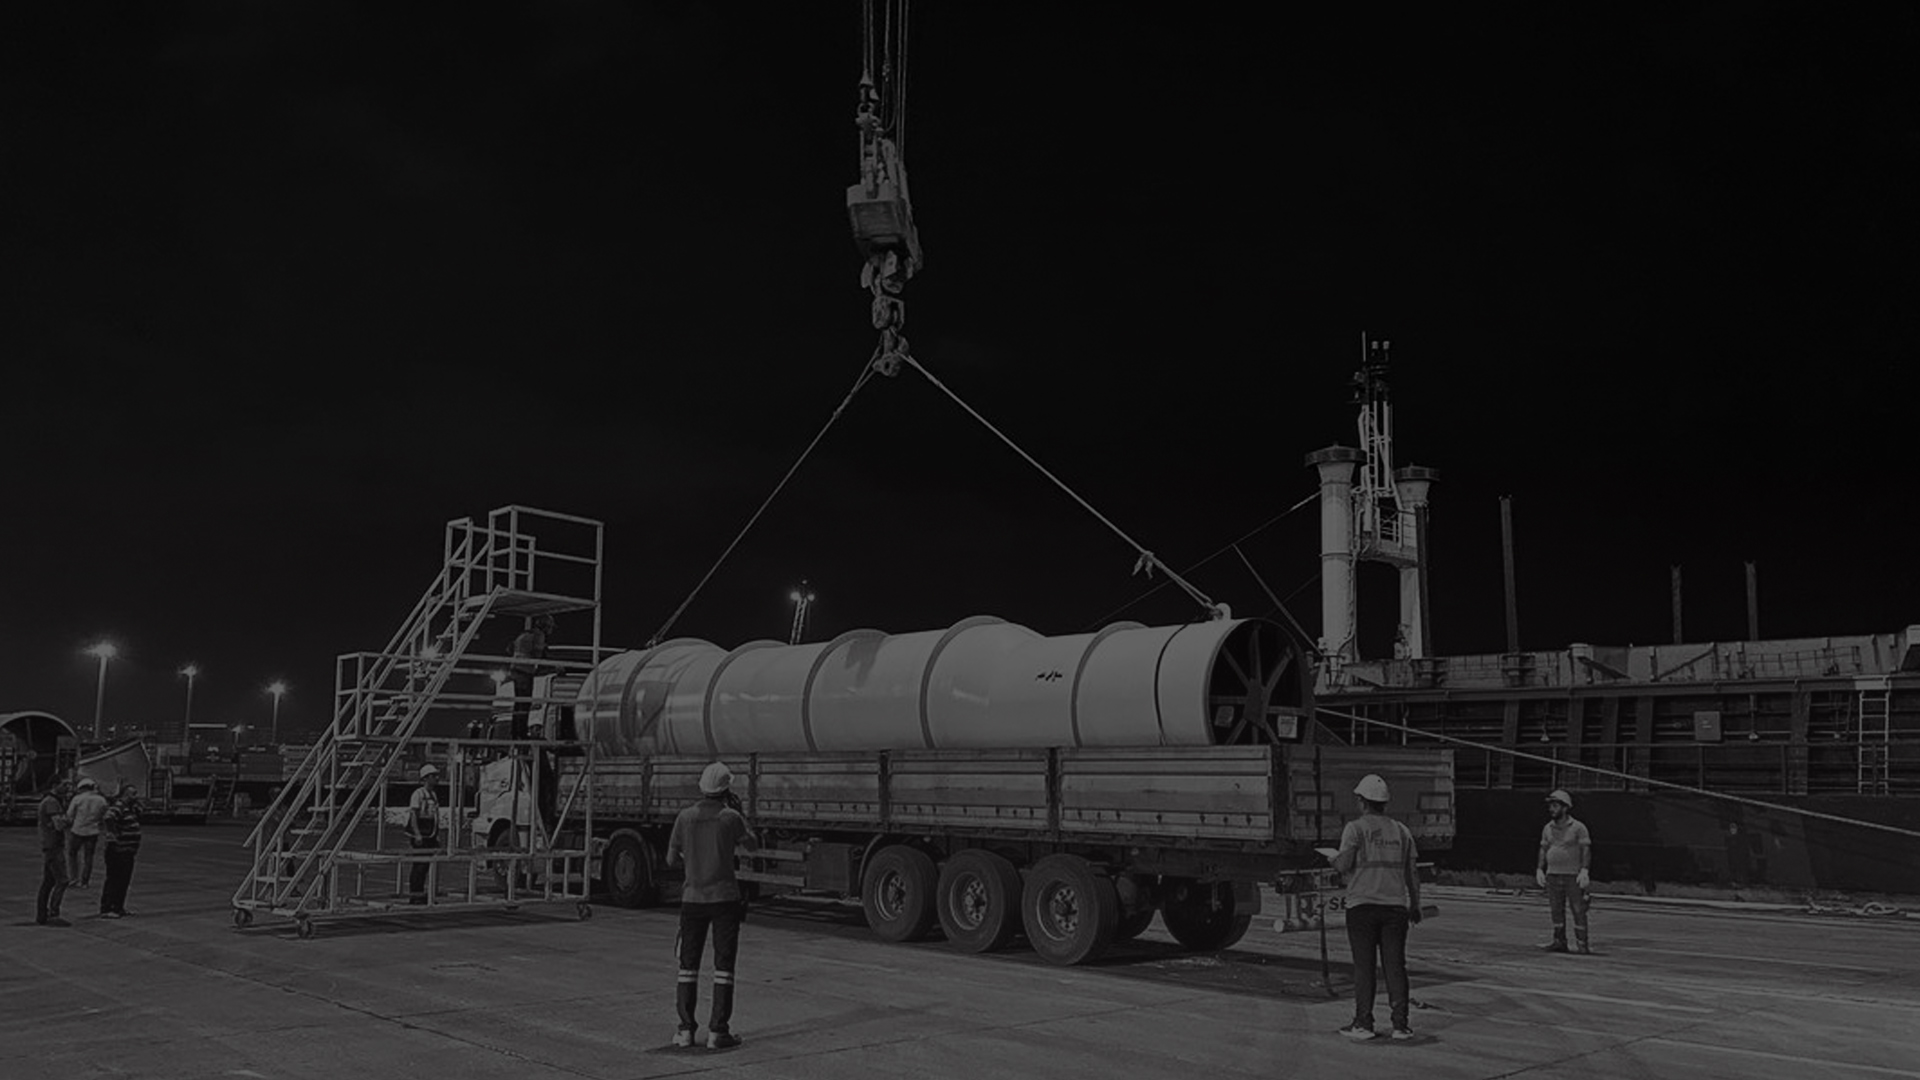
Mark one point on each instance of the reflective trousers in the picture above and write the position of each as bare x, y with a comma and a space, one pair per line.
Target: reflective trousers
1564, 891
695, 920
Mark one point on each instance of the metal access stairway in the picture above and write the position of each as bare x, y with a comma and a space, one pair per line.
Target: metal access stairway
329, 834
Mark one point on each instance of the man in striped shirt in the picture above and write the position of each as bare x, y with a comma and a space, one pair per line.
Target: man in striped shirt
121, 827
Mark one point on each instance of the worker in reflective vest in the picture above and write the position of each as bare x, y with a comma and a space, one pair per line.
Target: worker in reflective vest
1377, 857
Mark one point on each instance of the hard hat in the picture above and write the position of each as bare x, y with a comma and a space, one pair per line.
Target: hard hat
1372, 788
1562, 798
716, 779
88, 784
429, 770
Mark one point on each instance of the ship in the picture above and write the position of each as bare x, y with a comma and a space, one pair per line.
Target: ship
1784, 766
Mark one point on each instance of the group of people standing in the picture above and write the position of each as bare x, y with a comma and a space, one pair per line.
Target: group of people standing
1377, 857
73, 819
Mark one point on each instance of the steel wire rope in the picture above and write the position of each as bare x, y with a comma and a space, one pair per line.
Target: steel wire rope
1279, 605
1147, 558
900, 89
866, 40
866, 372
886, 85
1249, 534
1338, 714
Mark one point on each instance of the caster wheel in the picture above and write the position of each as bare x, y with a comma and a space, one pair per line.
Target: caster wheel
242, 918
304, 928
584, 909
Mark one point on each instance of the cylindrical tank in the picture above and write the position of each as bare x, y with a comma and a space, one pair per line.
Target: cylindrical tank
982, 683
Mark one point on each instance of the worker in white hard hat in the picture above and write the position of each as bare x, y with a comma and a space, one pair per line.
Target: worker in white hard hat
1566, 850
704, 838
1377, 857
423, 828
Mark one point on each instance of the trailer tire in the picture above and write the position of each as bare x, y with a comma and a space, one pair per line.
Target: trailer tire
1069, 910
979, 901
897, 893
627, 872
1210, 917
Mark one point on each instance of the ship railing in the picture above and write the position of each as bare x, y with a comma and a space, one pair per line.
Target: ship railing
1747, 767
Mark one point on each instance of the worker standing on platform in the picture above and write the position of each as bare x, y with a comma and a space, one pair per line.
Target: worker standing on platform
423, 829
704, 837
1566, 850
1377, 857
528, 650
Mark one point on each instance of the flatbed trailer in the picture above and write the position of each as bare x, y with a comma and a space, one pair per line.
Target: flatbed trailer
1073, 848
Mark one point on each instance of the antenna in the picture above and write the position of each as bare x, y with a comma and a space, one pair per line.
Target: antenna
1378, 514
802, 597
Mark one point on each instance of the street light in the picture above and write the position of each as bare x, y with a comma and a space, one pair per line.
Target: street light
104, 651
191, 671
278, 688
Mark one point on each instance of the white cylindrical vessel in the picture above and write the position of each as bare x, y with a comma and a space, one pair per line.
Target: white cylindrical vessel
980, 684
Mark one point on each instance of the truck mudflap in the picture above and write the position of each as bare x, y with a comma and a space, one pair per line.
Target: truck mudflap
1312, 899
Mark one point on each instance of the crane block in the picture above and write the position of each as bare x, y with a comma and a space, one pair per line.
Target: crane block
883, 221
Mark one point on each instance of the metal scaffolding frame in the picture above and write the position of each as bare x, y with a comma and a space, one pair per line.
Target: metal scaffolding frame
322, 848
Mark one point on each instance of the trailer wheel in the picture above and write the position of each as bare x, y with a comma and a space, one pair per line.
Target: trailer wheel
242, 918
1069, 910
897, 892
979, 901
627, 871
1132, 926
1210, 917
303, 927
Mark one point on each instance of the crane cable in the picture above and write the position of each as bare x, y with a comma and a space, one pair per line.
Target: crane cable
866, 372
899, 86
1244, 537
1323, 711
1147, 560
883, 62
890, 105
892, 348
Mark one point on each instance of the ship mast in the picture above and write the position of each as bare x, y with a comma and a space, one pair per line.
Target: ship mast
1371, 511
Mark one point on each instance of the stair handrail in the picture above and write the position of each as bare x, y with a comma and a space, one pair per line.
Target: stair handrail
422, 611
367, 684
356, 804
307, 777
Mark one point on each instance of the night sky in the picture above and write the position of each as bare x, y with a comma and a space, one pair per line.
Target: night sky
290, 285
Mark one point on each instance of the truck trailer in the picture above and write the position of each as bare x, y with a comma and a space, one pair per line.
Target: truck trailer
986, 780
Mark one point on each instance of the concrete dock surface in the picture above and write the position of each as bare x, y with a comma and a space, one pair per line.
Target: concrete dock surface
175, 990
